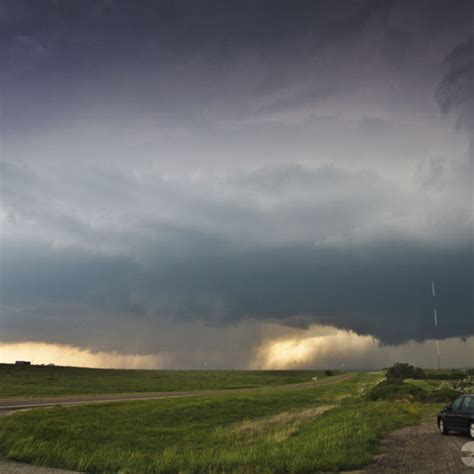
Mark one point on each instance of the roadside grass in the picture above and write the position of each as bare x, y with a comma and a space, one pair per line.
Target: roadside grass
465, 385
278, 427
36, 381
447, 374
425, 384
328, 429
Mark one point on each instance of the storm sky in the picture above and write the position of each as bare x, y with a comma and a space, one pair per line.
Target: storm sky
241, 184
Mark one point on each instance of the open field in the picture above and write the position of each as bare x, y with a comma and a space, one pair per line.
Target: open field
38, 381
15, 403
268, 427
327, 428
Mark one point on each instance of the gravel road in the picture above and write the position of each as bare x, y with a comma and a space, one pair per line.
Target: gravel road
11, 467
421, 449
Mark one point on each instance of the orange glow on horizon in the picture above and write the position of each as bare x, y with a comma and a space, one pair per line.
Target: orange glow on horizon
66, 355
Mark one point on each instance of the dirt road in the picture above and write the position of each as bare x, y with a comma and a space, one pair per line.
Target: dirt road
421, 449
21, 403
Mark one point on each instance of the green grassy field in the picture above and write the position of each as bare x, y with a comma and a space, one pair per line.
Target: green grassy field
35, 381
329, 428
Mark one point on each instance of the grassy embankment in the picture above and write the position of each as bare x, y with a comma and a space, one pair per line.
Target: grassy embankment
36, 381
329, 428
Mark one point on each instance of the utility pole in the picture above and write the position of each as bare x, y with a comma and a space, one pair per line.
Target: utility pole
435, 313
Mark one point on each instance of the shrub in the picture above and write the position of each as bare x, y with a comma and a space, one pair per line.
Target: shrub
395, 391
328, 373
445, 385
406, 391
399, 372
448, 376
441, 395
466, 385
418, 373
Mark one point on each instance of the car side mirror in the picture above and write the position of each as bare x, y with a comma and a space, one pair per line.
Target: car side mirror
448, 408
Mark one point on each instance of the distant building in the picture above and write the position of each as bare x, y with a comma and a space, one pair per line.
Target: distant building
22, 362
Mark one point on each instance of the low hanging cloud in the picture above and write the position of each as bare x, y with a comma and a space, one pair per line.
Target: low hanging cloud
251, 345
48, 291
326, 347
289, 244
163, 190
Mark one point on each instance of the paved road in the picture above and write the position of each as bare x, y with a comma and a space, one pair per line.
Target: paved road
421, 449
20, 403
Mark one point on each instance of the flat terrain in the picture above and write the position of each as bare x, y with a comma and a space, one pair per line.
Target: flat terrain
19, 403
224, 421
44, 381
419, 448
327, 428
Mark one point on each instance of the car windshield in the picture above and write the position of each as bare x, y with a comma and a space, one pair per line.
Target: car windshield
468, 403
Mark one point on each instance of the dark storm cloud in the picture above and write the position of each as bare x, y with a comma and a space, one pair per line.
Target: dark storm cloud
57, 53
456, 90
382, 289
175, 56
167, 163
283, 243
455, 96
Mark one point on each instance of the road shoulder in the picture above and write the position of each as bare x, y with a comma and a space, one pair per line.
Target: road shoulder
421, 449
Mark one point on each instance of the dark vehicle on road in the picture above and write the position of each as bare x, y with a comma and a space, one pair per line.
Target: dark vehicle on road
459, 416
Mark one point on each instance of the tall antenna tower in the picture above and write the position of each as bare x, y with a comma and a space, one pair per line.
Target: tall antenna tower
435, 313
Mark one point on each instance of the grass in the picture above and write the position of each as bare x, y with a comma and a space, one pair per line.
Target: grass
446, 374
35, 381
425, 384
328, 428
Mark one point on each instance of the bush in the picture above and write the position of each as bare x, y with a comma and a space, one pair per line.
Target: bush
418, 373
406, 391
466, 385
328, 373
395, 391
399, 372
444, 385
448, 376
441, 395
